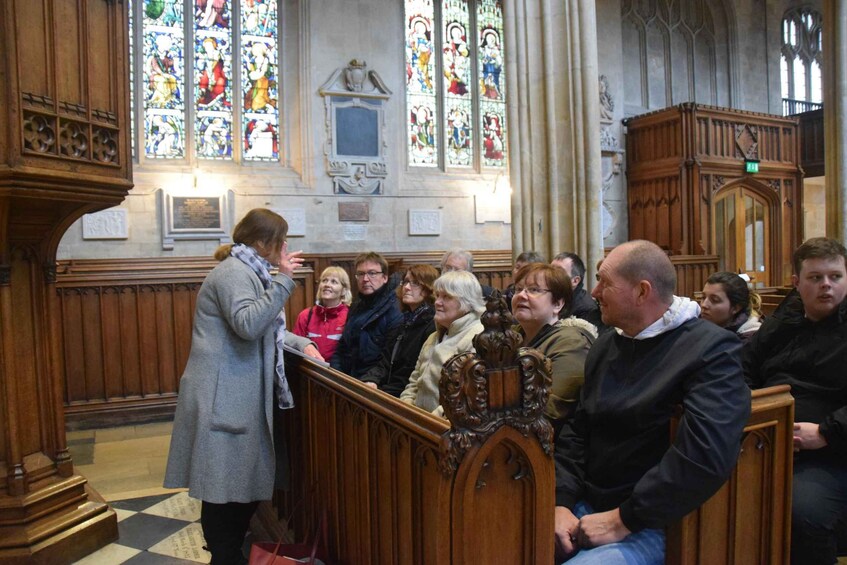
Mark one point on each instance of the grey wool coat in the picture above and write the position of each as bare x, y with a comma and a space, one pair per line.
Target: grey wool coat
222, 443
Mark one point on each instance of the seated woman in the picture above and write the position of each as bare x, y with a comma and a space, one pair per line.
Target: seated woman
403, 346
324, 322
541, 292
729, 303
458, 305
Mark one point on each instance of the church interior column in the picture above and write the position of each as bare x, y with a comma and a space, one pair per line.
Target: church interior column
835, 116
554, 136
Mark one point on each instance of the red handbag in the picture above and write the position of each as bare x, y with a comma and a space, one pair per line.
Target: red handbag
270, 553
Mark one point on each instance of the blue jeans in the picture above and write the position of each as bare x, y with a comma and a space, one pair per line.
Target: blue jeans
646, 547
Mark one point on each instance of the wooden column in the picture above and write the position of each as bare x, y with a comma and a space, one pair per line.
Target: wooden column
835, 112
64, 151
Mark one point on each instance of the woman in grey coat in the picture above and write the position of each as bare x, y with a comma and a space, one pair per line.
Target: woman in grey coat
222, 444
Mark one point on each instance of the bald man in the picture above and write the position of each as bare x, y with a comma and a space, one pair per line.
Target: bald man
619, 479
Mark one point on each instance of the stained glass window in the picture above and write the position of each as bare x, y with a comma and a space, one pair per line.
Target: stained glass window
208, 85
459, 120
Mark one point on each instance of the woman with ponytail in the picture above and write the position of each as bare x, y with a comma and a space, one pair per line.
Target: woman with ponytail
222, 444
729, 303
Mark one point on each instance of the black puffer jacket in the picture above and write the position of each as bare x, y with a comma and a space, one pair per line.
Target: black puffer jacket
812, 358
370, 320
401, 352
585, 308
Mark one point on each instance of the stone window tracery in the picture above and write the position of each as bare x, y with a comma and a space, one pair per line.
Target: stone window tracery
802, 59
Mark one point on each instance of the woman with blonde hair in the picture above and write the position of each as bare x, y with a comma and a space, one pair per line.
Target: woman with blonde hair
324, 322
458, 306
222, 448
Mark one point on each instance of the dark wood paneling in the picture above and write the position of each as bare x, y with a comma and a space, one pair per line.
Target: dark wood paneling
680, 157
812, 143
126, 326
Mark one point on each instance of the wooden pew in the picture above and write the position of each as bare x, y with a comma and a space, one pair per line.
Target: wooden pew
373, 463
748, 520
402, 486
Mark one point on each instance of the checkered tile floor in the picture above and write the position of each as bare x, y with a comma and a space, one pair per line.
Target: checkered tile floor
155, 530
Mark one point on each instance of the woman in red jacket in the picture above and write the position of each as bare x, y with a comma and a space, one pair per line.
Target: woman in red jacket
324, 322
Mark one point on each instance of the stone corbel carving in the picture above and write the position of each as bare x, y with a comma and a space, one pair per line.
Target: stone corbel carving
354, 99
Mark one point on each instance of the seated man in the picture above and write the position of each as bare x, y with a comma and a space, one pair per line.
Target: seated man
619, 478
804, 344
462, 260
583, 306
369, 320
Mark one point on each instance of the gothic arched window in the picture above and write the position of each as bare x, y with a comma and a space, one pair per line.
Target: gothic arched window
801, 60
204, 79
455, 84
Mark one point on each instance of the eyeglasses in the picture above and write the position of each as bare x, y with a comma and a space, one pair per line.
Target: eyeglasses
531, 290
367, 275
412, 284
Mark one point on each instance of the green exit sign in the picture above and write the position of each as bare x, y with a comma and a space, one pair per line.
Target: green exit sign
751, 167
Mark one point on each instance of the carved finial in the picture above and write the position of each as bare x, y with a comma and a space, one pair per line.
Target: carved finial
502, 384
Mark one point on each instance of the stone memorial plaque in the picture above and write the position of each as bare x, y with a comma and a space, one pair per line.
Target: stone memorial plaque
424, 222
353, 212
357, 132
355, 233
296, 218
196, 213
180, 506
108, 224
187, 543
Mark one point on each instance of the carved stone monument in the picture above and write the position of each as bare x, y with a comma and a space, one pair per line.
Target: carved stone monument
355, 129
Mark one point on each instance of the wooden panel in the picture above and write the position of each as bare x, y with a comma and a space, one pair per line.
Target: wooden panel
749, 519
100, 56
32, 26
812, 143
126, 326
69, 62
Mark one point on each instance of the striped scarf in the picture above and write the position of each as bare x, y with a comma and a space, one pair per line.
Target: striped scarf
261, 267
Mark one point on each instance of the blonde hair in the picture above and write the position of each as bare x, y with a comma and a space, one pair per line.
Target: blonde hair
464, 287
343, 277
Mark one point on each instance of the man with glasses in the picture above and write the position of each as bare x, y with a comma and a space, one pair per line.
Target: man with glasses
371, 317
619, 481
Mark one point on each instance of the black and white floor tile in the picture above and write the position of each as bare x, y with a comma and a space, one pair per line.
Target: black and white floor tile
155, 530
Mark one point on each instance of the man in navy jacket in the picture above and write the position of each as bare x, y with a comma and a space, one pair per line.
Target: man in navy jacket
620, 480
371, 317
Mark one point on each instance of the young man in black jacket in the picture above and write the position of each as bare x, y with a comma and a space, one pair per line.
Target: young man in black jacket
804, 344
372, 316
619, 480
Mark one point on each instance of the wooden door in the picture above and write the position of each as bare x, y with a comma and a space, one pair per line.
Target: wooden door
742, 231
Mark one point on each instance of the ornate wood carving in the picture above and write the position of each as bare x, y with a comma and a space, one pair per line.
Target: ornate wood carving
502, 384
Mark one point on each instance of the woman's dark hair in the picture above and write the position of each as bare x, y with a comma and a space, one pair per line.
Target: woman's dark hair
737, 292
425, 276
262, 230
555, 278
